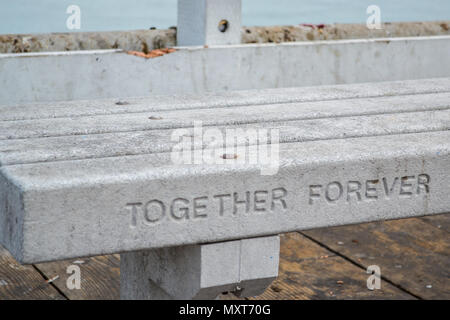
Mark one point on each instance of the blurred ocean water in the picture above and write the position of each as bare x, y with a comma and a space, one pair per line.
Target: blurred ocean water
38, 16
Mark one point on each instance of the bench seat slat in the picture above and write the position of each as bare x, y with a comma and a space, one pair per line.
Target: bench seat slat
58, 210
221, 100
78, 147
225, 116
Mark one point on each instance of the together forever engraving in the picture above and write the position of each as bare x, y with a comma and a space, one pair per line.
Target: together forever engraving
180, 209
262, 201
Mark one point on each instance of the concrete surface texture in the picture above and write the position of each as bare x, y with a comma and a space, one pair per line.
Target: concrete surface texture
88, 181
35, 77
145, 40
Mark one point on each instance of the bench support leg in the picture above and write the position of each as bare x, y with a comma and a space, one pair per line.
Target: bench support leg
243, 267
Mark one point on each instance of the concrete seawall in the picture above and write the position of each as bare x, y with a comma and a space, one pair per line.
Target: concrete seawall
145, 40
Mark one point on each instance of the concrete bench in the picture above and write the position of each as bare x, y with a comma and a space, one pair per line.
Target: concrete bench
94, 177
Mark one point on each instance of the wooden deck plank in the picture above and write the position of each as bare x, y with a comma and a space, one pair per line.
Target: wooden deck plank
441, 221
99, 277
309, 271
411, 253
19, 282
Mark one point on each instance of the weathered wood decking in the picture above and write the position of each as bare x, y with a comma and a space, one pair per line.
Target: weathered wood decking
328, 263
